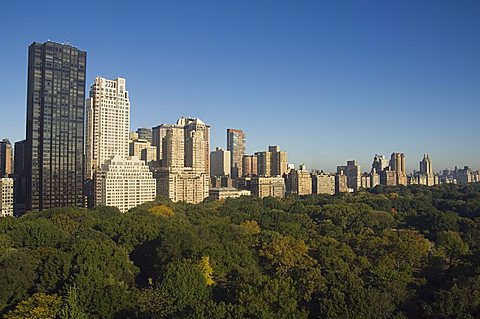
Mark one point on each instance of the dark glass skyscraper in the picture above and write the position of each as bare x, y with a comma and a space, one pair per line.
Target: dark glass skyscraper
236, 146
55, 126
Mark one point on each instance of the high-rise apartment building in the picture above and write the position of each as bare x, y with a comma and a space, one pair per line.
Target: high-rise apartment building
55, 126
341, 183
108, 122
6, 196
20, 178
220, 162
379, 163
426, 176
6, 158
142, 149
185, 162
236, 145
249, 165
398, 165
124, 183
299, 181
268, 186
323, 183
353, 172
272, 162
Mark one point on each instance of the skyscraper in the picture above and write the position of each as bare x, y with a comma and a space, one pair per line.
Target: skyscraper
185, 163
220, 162
354, 174
398, 165
426, 165
236, 145
272, 162
108, 122
55, 126
6, 158
20, 178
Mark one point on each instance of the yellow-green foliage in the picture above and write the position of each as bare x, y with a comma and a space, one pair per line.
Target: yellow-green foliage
207, 270
39, 306
161, 210
251, 227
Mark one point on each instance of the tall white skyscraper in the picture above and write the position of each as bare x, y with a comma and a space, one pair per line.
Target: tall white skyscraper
108, 122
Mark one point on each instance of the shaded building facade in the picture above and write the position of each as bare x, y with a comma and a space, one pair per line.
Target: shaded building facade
55, 126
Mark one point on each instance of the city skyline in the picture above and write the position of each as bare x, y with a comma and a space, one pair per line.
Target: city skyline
416, 94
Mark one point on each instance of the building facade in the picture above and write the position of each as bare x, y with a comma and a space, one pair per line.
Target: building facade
6, 196
220, 162
398, 165
19, 179
124, 183
268, 186
299, 181
249, 165
55, 126
108, 122
236, 144
323, 183
353, 172
6, 158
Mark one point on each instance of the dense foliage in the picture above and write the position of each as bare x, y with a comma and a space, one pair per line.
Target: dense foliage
394, 252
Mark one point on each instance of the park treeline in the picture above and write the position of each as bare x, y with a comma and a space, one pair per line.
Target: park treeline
391, 252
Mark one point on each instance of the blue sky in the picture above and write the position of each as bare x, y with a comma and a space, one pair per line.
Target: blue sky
328, 81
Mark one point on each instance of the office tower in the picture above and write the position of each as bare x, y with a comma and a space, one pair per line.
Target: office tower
379, 163
185, 163
341, 183
157, 141
108, 122
55, 126
249, 165
323, 183
124, 183
398, 165
220, 162
272, 162
6, 158
142, 149
299, 181
6, 196
353, 172
19, 178
144, 134
268, 186
236, 145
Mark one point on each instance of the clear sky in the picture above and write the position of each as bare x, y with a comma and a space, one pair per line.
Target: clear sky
328, 81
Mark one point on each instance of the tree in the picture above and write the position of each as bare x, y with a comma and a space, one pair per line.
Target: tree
39, 306
72, 309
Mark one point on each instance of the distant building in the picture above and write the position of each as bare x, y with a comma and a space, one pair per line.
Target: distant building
426, 176
299, 181
398, 165
341, 183
249, 165
353, 172
323, 183
374, 178
227, 192
268, 186
236, 144
142, 149
144, 134
182, 185
380, 163
221, 181
388, 178
124, 183
220, 162
19, 176
272, 162
366, 181
6, 158
184, 173
6, 196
